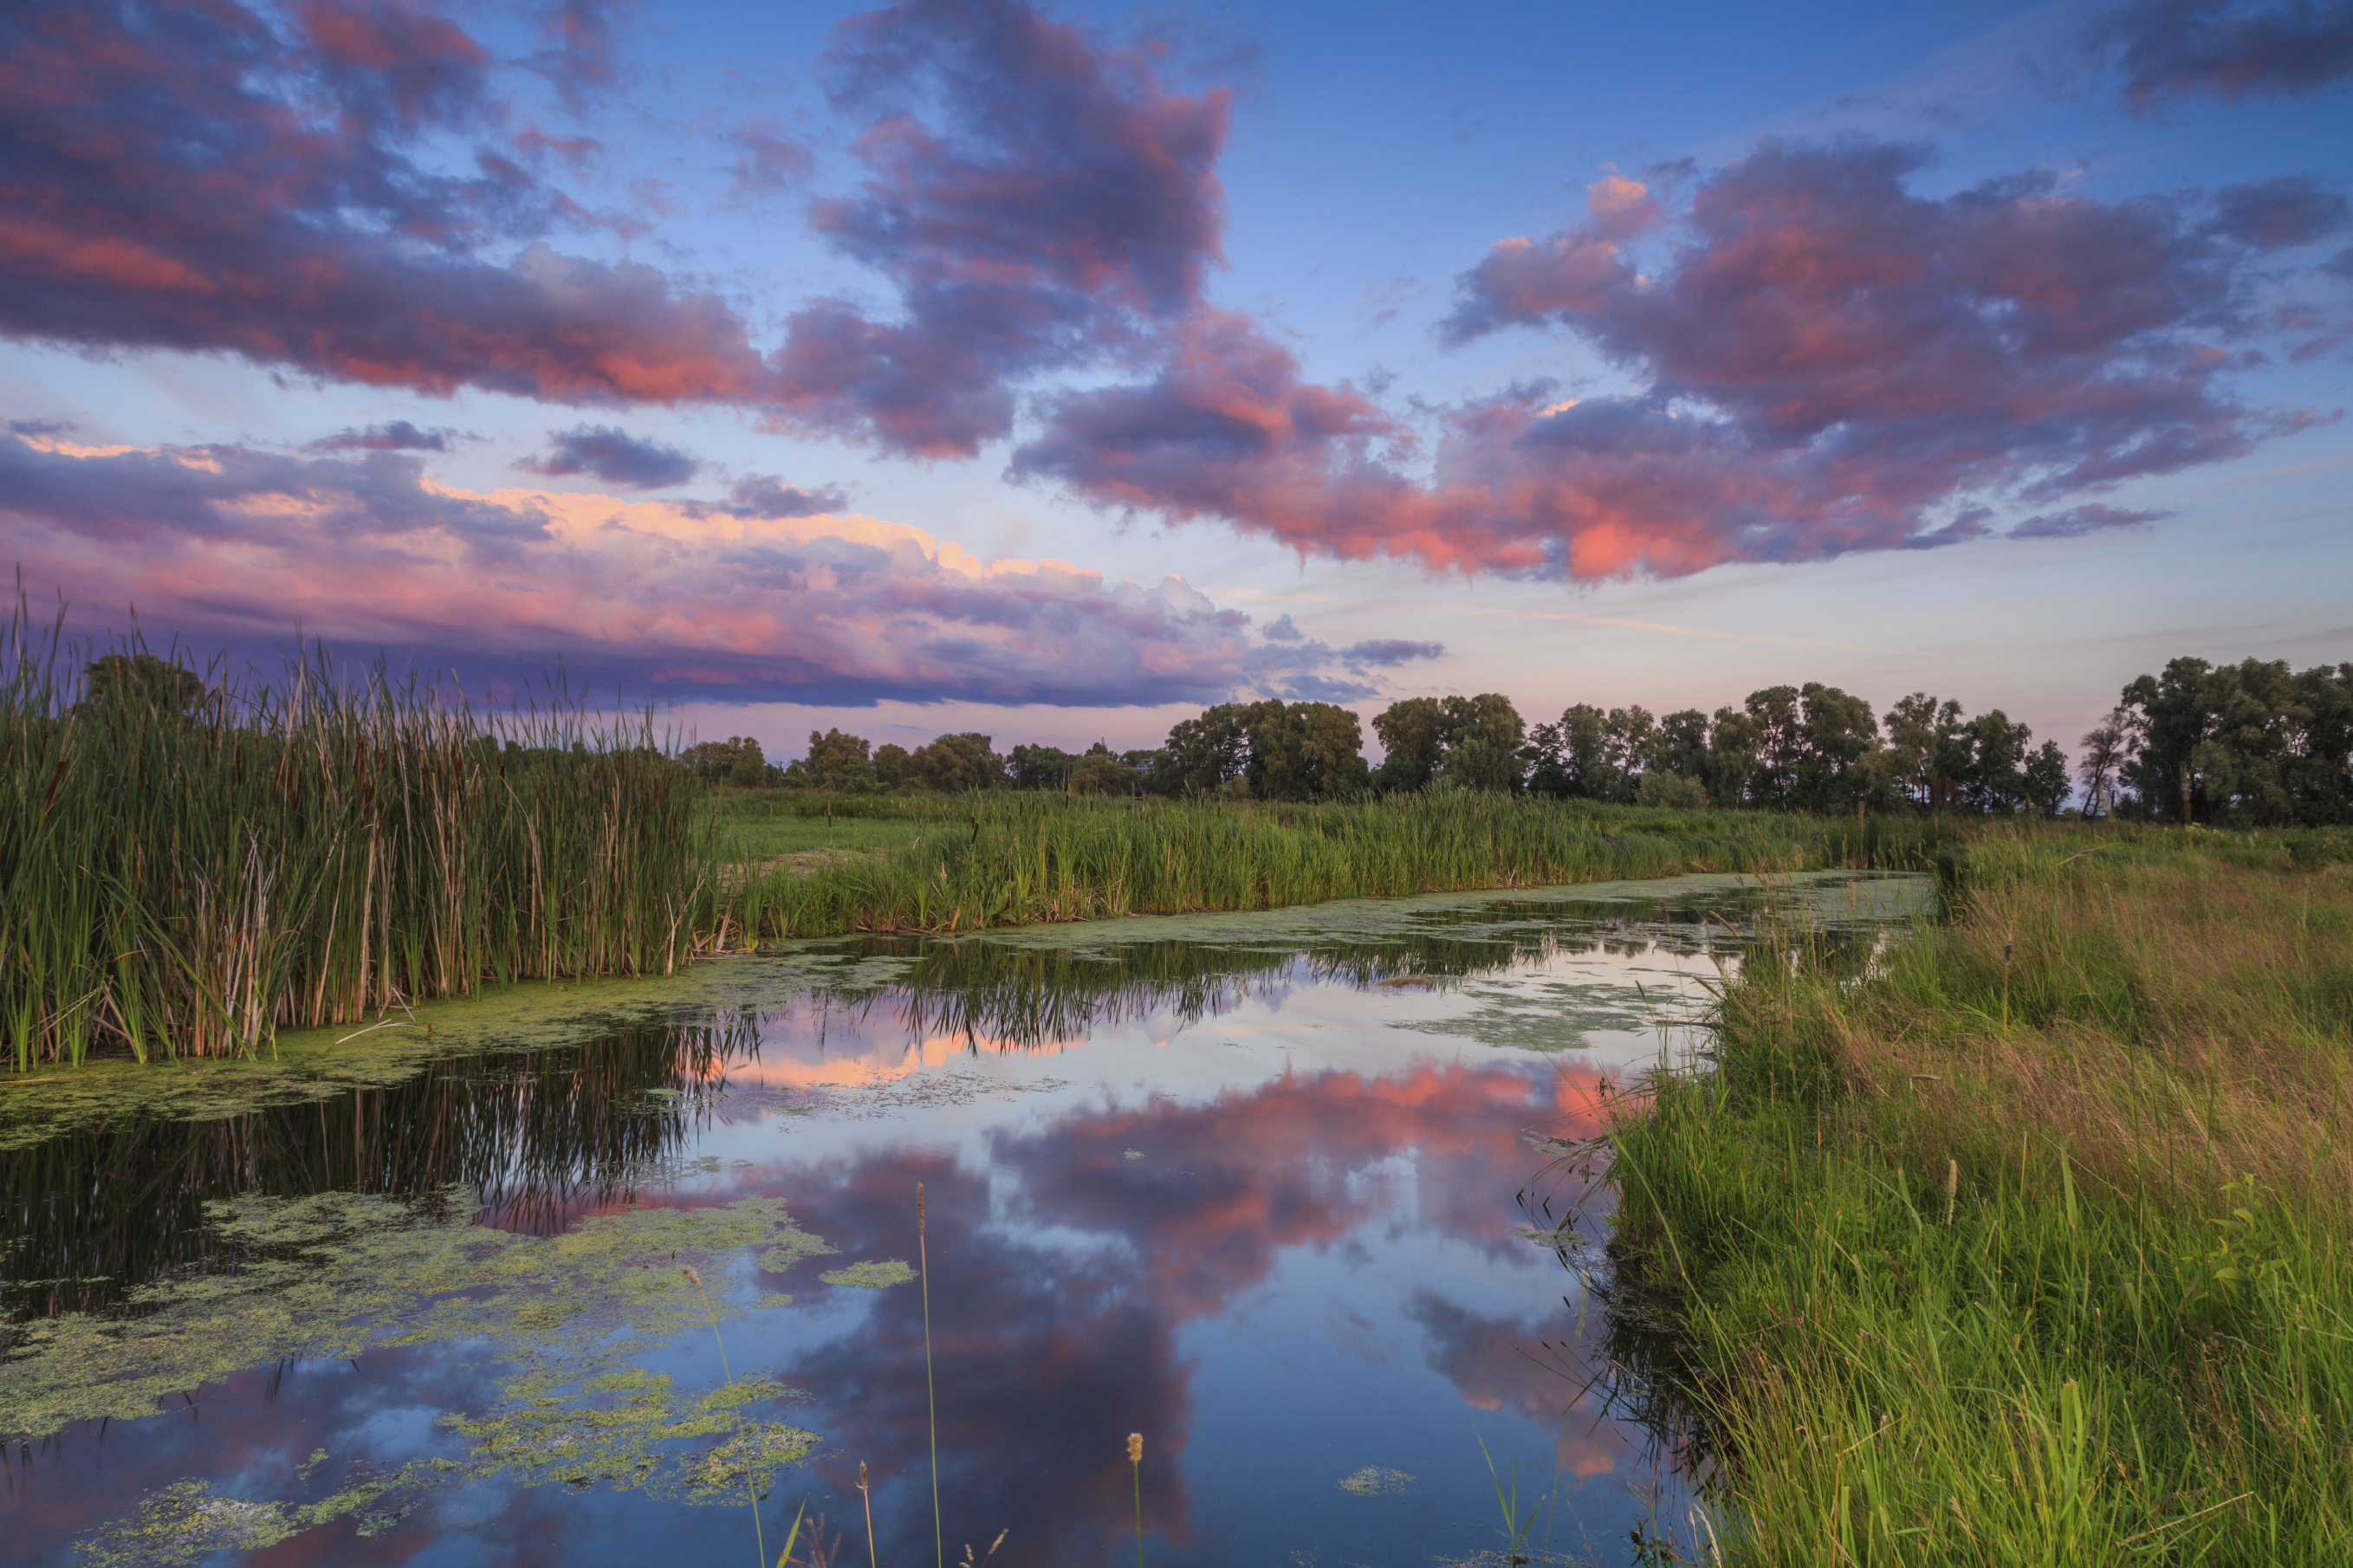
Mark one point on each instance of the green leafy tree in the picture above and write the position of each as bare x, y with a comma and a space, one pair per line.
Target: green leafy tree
1204, 753
1680, 748
1099, 770
835, 762
1995, 781
2172, 721
2044, 776
1412, 733
2105, 748
1664, 787
1038, 767
891, 765
1838, 734
1305, 750
121, 681
2322, 783
1731, 756
737, 759
1482, 736
955, 765
1778, 723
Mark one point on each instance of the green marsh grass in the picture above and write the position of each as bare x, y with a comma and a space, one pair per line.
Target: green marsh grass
2029, 1245
1001, 859
185, 878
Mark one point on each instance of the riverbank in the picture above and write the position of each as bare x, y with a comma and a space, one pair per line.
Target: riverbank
2033, 1247
955, 863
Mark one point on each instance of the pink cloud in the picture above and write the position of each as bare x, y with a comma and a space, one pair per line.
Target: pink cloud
1825, 362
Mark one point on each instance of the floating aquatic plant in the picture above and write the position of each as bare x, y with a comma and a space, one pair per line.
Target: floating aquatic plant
870, 1276
1374, 1481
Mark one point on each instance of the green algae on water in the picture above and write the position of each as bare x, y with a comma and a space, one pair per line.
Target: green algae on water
340, 1273
870, 1276
1375, 1481
337, 1273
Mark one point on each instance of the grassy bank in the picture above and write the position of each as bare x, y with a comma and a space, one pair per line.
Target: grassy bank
187, 866
964, 862
2033, 1247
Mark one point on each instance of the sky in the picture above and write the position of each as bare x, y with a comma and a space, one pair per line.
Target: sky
1055, 372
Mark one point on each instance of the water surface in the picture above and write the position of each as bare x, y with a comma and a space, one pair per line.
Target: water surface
1271, 1189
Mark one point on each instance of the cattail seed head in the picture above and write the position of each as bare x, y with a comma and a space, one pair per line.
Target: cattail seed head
919, 1205
691, 1274
1135, 1447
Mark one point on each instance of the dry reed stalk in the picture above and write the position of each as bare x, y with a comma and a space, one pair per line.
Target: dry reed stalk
1136, 1463
867, 1497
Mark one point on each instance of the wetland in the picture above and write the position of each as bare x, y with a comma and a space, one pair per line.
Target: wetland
617, 1270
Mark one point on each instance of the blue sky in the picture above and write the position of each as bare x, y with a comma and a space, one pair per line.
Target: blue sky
760, 359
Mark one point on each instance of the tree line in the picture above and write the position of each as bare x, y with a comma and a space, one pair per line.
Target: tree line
2251, 744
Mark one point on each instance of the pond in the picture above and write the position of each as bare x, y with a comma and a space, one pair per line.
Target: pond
627, 1272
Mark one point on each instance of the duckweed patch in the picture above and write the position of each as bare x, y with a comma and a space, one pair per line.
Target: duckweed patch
331, 1275
872, 1276
1375, 1481
334, 1273
626, 1430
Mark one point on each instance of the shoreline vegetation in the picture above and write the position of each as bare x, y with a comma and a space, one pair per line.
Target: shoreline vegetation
191, 861
2030, 1246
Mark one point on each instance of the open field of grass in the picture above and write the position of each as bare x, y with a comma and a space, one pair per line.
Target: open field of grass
765, 827
2034, 1246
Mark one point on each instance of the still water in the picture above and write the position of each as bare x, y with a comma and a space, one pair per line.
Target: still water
1278, 1192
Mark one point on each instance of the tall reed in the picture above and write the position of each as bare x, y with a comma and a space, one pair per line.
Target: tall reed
1025, 859
189, 863
931, 1395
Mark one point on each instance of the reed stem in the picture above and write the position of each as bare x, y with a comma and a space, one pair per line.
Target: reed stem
1136, 1463
759, 1538
930, 1397
868, 1498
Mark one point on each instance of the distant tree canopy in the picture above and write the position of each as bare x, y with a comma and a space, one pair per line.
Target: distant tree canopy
2250, 743
737, 759
125, 680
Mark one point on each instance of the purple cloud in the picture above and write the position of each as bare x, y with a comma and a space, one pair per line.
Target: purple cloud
767, 158
766, 496
580, 56
196, 178
613, 456
39, 427
2271, 215
1037, 200
2172, 49
399, 435
1391, 651
1824, 362
2077, 522
230, 545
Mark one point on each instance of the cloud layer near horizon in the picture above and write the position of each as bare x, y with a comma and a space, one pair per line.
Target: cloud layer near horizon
658, 598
